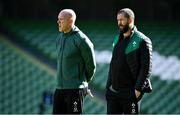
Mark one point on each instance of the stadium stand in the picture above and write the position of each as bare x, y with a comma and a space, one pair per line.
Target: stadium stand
22, 81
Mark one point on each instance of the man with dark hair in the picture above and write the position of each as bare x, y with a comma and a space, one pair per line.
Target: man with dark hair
130, 67
75, 65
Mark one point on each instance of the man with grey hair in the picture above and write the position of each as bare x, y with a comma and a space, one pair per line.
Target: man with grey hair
130, 67
75, 65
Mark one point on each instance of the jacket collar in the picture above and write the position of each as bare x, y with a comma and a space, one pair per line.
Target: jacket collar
133, 31
74, 29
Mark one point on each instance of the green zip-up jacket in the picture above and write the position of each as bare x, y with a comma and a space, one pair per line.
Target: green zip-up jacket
75, 60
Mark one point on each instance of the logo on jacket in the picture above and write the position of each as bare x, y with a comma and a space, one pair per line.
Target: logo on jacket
134, 44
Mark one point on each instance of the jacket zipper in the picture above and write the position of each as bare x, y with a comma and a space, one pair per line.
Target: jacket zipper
62, 61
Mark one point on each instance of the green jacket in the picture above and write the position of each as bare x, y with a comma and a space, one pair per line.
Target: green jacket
139, 59
75, 60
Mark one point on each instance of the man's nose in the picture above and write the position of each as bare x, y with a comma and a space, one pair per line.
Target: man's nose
120, 22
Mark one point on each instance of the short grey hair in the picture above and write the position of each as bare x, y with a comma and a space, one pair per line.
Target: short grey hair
70, 13
127, 13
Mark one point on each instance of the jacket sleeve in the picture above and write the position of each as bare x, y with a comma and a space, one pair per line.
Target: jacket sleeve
145, 63
87, 52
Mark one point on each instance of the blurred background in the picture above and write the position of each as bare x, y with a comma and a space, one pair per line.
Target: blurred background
28, 32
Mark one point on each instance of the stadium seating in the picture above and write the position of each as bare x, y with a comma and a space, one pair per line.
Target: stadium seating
22, 82
94, 106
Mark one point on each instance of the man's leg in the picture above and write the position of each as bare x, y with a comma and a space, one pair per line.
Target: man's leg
113, 103
131, 107
114, 107
59, 105
75, 101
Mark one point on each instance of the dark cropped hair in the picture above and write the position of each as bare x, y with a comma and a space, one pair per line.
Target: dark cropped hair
127, 13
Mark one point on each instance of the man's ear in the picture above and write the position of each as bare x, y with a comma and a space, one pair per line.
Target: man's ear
130, 20
71, 21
